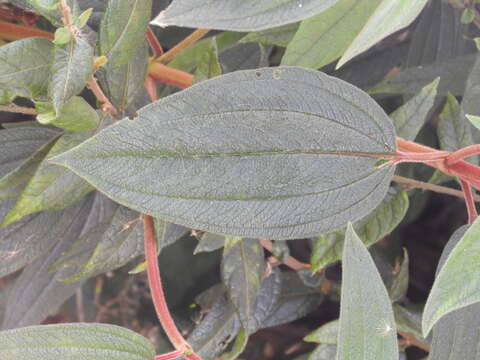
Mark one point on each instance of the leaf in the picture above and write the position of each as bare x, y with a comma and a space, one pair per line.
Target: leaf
37, 292
411, 116
209, 242
238, 15
123, 28
399, 287
454, 288
49, 9
62, 36
325, 37
71, 69
453, 129
367, 327
297, 155
243, 57
208, 67
68, 341
25, 66
323, 352
238, 346
325, 334
409, 319
123, 84
389, 17
51, 187
77, 115
327, 248
455, 335
243, 267
278, 36
475, 120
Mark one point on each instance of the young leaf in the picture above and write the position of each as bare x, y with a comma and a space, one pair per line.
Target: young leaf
208, 67
455, 288
51, 188
278, 36
475, 120
389, 17
325, 37
411, 116
83, 18
122, 30
326, 334
69, 341
327, 248
62, 36
71, 69
238, 15
243, 267
25, 66
272, 149
367, 327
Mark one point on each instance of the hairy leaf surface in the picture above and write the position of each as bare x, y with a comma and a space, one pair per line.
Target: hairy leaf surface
69, 341
367, 327
278, 153
239, 15
279, 36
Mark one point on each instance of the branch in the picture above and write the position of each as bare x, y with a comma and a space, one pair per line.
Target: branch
18, 109
188, 41
107, 106
154, 43
291, 262
469, 201
12, 32
169, 75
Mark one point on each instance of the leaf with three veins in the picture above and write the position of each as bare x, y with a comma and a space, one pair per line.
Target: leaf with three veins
269, 153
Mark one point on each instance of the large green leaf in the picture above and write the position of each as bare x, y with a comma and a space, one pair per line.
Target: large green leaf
277, 153
50, 9
239, 15
367, 327
25, 66
51, 187
389, 17
243, 267
325, 37
74, 341
411, 116
122, 31
71, 69
457, 283
327, 248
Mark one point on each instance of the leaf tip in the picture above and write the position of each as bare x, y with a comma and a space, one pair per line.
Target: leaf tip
160, 20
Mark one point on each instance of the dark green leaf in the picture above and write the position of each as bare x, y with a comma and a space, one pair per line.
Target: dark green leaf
208, 66
243, 57
327, 248
74, 341
411, 116
51, 187
238, 15
324, 352
210, 242
76, 115
243, 267
278, 36
367, 327
389, 17
325, 334
454, 287
50, 9
25, 66
123, 28
238, 346
325, 37
71, 69
298, 151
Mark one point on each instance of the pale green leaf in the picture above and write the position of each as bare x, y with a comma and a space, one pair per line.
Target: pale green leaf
208, 66
77, 115
367, 327
409, 319
62, 36
325, 334
389, 17
123, 28
324, 352
325, 37
278, 36
238, 346
71, 69
74, 341
50, 9
327, 248
25, 66
83, 18
475, 120
300, 134
411, 116
454, 287
239, 15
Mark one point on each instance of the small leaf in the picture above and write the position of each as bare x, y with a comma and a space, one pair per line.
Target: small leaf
325, 37
327, 248
411, 116
278, 36
454, 288
77, 115
280, 250
51, 188
290, 135
238, 15
389, 17
25, 66
62, 36
475, 120
238, 346
468, 15
243, 267
208, 67
367, 327
122, 31
68, 341
399, 286
83, 18
71, 70
325, 334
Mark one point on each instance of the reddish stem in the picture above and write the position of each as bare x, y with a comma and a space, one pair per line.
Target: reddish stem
171, 355
13, 32
169, 75
151, 88
469, 201
154, 43
461, 154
